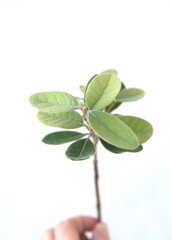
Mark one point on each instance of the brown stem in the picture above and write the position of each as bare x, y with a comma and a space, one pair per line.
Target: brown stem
108, 108
96, 176
95, 161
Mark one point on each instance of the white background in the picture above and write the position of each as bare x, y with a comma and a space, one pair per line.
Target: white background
48, 45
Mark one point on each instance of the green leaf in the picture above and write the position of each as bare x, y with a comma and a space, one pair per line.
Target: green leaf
117, 104
112, 130
122, 86
130, 94
113, 71
68, 120
102, 90
88, 84
62, 137
80, 150
140, 127
117, 150
54, 102
82, 88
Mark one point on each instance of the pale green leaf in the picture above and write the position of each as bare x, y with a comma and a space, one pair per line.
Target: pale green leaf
112, 130
140, 127
88, 84
68, 120
54, 102
82, 88
113, 71
102, 90
117, 150
117, 104
80, 150
130, 94
57, 138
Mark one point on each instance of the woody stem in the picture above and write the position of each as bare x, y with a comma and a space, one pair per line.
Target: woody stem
96, 179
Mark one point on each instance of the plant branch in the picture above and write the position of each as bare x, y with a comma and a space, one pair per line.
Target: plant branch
108, 108
95, 162
96, 176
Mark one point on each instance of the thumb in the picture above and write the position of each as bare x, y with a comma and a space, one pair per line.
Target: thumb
101, 232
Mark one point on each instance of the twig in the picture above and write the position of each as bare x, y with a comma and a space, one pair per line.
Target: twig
95, 162
108, 108
96, 176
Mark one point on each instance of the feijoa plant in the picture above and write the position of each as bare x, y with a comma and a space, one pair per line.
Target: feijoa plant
103, 94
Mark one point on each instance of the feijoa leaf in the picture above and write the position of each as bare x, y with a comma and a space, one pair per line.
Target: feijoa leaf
117, 150
80, 150
102, 90
82, 88
113, 71
130, 94
54, 102
111, 129
142, 128
57, 138
88, 84
68, 120
117, 104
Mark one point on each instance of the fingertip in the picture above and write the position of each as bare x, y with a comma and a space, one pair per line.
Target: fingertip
84, 223
101, 232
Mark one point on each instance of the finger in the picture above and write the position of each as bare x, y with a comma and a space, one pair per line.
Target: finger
101, 232
73, 227
84, 223
48, 235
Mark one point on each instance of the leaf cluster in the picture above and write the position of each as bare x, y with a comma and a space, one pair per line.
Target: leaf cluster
103, 94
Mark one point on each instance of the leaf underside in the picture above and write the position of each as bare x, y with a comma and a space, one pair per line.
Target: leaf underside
68, 120
112, 130
80, 150
117, 104
130, 94
140, 127
89, 84
54, 102
57, 138
113, 71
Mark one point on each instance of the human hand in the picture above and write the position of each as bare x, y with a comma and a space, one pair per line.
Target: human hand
75, 229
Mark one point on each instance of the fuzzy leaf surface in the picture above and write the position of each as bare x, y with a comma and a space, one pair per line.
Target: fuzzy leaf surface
68, 120
140, 127
88, 84
117, 104
54, 102
80, 150
130, 94
102, 90
113, 71
111, 129
62, 137
117, 150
